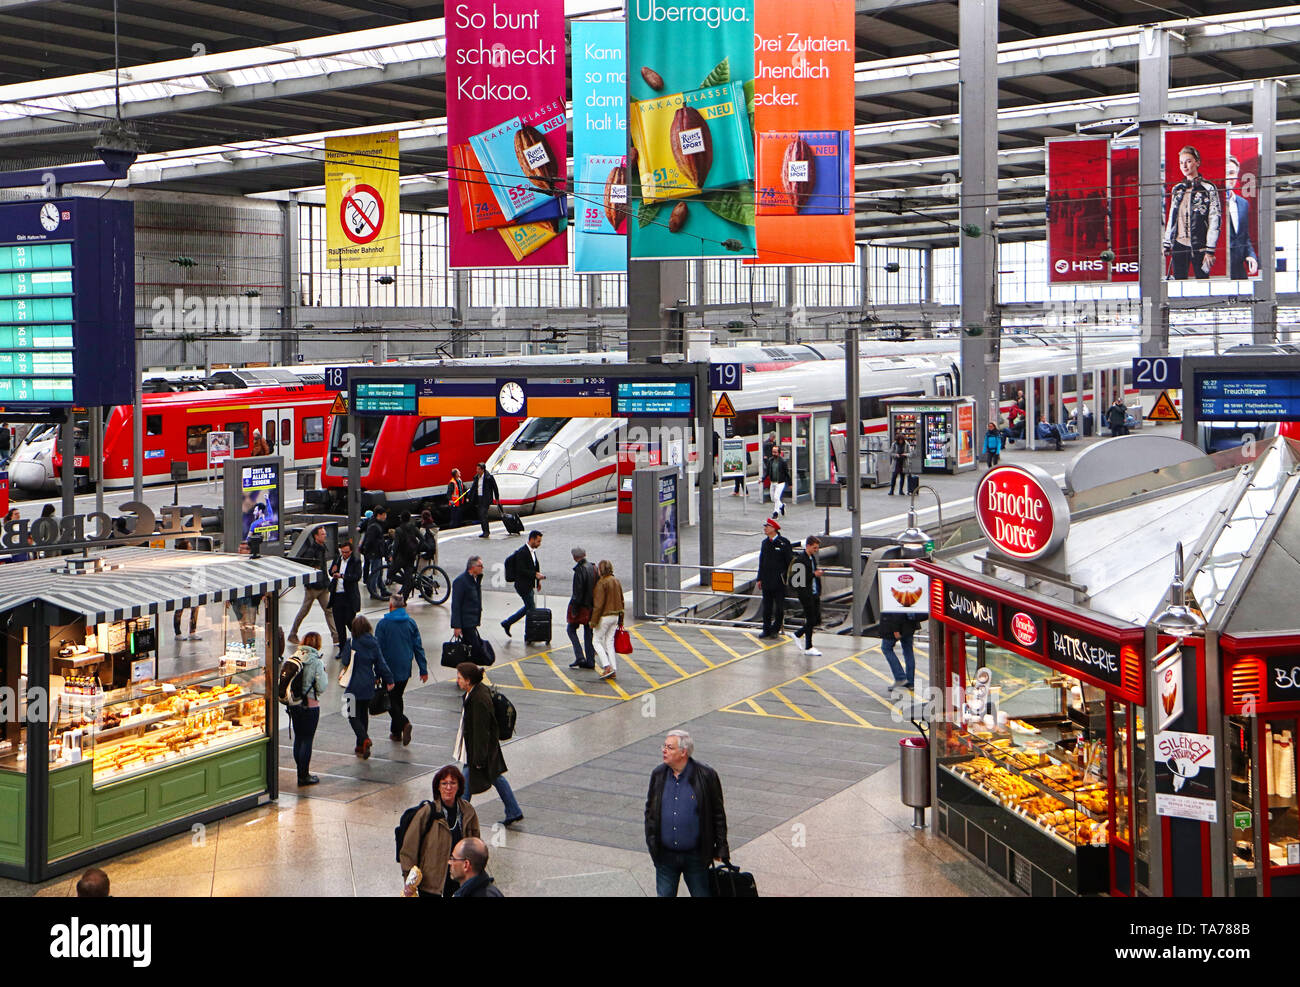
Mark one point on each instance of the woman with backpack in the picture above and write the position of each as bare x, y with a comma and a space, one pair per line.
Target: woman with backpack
478, 741
305, 716
434, 829
363, 669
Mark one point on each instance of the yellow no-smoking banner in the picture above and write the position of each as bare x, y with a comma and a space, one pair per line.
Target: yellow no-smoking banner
363, 218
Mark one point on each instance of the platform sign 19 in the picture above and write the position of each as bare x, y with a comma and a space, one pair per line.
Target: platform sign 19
726, 376
1157, 373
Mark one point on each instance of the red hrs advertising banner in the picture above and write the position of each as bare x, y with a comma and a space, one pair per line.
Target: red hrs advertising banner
1124, 213
506, 133
803, 115
1240, 207
1194, 238
1078, 185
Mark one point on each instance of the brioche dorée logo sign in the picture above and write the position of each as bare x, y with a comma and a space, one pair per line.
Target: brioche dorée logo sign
1022, 511
1024, 629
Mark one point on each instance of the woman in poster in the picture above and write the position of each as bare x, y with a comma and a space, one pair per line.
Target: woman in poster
1194, 221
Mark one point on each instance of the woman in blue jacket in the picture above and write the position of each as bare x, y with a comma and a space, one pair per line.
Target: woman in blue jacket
365, 663
992, 445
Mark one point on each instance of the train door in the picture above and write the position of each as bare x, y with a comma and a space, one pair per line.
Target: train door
277, 429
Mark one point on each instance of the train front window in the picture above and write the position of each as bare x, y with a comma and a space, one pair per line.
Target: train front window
426, 434
368, 429
538, 433
153, 425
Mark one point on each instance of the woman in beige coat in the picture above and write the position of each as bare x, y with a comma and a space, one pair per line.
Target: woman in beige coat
606, 616
453, 819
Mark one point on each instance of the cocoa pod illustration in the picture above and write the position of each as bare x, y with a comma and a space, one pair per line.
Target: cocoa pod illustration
694, 166
652, 78
615, 212
543, 173
800, 192
677, 219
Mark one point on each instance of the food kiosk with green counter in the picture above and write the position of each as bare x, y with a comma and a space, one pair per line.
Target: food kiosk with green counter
127, 726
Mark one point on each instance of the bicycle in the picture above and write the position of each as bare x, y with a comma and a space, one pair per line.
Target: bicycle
433, 584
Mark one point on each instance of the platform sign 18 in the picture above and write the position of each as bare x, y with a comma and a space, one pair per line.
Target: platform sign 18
1156, 373
336, 378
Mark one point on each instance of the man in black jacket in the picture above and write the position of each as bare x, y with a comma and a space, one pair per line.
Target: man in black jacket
806, 581
484, 494
345, 597
468, 864
525, 571
372, 549
778, 471
773, 562
580, 604
685, 820
406, 546
316, 555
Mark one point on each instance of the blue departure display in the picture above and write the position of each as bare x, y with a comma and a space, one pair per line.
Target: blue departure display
1248, 396
657, 399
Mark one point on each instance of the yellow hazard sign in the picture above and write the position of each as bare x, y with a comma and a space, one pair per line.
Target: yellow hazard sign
724, 408
1163, 410
340, 406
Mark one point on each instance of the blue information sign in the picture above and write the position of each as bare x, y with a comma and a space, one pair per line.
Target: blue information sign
1248, 395
654, 398
67, 303
727, 376
1157, 373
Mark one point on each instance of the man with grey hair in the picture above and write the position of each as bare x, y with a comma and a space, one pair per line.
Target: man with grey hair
580, 603
467, 605
685, 820
399, 640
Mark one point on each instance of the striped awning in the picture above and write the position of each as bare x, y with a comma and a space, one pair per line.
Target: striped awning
149, 581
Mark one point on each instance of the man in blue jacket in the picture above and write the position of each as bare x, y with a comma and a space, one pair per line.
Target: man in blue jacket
467, 605
399, 640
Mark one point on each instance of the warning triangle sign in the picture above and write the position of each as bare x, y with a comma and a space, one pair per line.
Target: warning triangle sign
724, 407
1163, 410
340, 405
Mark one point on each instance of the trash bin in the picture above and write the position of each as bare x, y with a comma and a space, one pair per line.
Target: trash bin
914, 776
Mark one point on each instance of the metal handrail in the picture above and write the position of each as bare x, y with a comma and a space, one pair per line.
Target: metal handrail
683, 613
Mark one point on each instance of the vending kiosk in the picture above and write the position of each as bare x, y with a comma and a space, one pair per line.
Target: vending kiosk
940, 432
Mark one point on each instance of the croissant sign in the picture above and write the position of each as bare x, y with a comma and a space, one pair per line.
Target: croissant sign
1022, 512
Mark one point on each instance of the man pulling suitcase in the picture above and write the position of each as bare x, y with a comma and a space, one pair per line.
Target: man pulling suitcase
525, 571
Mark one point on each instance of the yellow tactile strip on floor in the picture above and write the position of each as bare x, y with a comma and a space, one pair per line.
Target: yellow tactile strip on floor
662, 655
848, 692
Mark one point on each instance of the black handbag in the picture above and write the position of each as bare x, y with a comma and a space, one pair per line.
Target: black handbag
486, 653
379, 702
454, 652
728, 881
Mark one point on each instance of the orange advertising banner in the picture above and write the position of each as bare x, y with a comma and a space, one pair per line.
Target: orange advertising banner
803, 118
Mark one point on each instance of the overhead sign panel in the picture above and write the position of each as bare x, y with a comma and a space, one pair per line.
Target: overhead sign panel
362, 216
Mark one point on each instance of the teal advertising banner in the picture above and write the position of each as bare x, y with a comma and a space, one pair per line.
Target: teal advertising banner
600, 146
691, 82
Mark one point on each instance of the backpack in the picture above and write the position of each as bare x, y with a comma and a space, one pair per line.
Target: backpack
289, 689
403, 824
504, 710
429, 544
512, 568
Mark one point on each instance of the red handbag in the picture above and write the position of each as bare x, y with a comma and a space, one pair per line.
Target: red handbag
622, 641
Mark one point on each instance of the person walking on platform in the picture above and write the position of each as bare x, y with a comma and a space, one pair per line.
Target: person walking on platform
366, 667
581, 602
774, 559
778, 471
316, 555
685, 819
406, 548
456, 494
345, 596
992, 445
399, 640
525, 571
478, 742
899, 628
467, 605
306, 717
434, 832
484, 494
606, 617
806, 581
372, 550
900, 452
1117, 417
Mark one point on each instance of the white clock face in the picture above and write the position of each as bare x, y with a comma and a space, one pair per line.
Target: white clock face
50, 216
511, 398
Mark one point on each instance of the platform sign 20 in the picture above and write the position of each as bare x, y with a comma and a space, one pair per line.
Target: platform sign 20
1156, 373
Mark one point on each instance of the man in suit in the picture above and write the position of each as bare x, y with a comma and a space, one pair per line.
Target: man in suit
527, 577
806, 581
1242, 260
484, 493
345, 596
773, 561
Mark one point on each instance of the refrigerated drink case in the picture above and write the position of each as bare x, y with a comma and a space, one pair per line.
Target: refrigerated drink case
936, 440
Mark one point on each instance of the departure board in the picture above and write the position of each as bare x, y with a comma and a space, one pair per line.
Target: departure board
655, 398
67, 303
1247, 396
384, 397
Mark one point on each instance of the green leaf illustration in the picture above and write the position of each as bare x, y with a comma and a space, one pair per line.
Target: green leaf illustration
720, 75
647, 213
734, 205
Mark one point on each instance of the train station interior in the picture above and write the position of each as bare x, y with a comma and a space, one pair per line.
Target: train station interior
1002, 314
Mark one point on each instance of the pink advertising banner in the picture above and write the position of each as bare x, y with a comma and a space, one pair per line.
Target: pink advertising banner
506, 133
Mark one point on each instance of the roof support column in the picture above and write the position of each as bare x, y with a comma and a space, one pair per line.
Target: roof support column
978, 77
1264, 310
1153, 99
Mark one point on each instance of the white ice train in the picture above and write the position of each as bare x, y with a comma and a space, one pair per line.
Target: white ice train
549, 464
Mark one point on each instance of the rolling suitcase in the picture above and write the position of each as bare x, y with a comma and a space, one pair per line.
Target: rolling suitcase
537, 626
513, 525
913, 483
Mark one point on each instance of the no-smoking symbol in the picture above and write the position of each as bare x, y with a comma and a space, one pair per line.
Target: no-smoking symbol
362, 214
